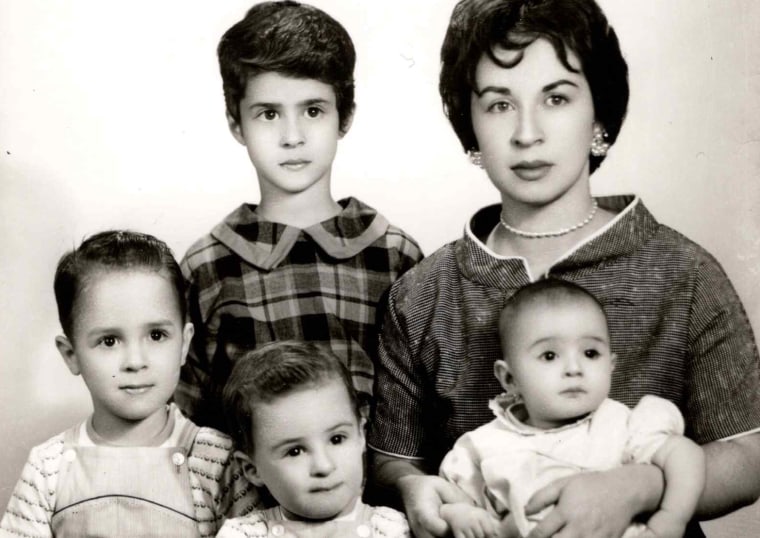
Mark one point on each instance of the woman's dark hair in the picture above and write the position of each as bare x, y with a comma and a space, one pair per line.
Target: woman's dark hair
292, 39
115, 250
478, 26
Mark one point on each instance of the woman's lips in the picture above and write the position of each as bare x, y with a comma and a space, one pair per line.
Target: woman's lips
531, 170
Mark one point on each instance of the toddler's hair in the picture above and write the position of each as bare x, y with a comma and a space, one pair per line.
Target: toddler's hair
552, 291
477, 26
272, 371
293, 39
114, 250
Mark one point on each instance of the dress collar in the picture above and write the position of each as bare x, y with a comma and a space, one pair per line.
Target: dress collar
632, 227
266, 244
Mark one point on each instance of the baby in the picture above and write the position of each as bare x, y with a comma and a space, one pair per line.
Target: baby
294, 414
556, 420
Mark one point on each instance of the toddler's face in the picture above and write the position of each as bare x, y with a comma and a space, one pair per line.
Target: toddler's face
128, 343
559, 359
309, 449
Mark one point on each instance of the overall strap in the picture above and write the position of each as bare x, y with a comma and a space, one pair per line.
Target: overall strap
187, 436
71, 436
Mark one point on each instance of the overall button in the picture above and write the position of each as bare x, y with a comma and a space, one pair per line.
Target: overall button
178, 458
364, 531
70, 455
278, 530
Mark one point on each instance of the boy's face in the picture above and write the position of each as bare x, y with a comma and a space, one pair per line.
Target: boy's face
128, 343
290, 127
558, 356
309, 448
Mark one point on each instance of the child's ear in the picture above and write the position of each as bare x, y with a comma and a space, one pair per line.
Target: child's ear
613, 360
249, 469
502, 373
235, 129
66, 349
187, 336
348, 122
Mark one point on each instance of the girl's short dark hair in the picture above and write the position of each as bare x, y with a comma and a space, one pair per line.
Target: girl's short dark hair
114, 250
478, 26
272, 371
293, 39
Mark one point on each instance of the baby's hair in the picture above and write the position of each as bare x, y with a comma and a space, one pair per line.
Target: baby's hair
293, 39
552, 291
115, 250
478, 26
275, 370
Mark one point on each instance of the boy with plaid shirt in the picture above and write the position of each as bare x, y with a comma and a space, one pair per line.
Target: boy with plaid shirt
299, 265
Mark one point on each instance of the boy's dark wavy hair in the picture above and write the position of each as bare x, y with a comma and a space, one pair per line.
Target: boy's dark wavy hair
272, 371
114, 250
293, 39
478, 26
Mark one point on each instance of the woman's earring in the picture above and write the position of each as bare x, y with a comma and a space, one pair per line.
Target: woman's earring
476, 158
599, 144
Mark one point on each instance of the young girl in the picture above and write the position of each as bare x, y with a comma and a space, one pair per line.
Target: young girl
555, 420
536, 91
136, 466
295, 414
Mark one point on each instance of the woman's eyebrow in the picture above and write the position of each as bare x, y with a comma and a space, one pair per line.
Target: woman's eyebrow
503, 90
561, 82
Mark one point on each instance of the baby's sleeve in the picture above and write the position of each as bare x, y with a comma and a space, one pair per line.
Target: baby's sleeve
250, 526
389, 523
461, 466
650, 423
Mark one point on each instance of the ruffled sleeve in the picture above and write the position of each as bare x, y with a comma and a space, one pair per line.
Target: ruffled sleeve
251, 526
389, 523
650, 423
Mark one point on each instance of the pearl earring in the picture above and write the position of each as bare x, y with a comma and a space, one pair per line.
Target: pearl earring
476, 158
599, 144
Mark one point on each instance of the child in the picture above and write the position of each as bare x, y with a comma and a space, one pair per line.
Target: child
299, 265
294, 412
557, 362
136, 466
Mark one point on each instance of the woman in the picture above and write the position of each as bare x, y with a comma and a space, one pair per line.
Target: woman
536, 92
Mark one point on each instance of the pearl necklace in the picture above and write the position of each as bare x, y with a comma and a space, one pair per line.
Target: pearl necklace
556, 233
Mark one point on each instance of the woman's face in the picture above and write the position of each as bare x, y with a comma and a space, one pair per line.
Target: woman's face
534, 124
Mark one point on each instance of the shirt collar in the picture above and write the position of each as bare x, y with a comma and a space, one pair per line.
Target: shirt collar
632, 226
506, 410
266, 244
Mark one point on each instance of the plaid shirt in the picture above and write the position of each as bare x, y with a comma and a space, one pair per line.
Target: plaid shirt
676, 324
251, 282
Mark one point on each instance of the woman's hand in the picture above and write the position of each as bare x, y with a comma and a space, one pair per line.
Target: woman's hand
423, 496
596, 504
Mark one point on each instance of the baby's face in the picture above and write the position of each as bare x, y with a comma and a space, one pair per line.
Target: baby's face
559, 358
309, 447
129, 341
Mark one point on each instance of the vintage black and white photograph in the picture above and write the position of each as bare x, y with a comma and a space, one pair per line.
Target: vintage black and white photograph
432, 268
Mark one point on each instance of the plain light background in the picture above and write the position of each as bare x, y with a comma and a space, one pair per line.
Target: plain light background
112, 116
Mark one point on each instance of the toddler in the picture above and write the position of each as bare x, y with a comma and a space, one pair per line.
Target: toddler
555, 420
136, 466
294, 414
